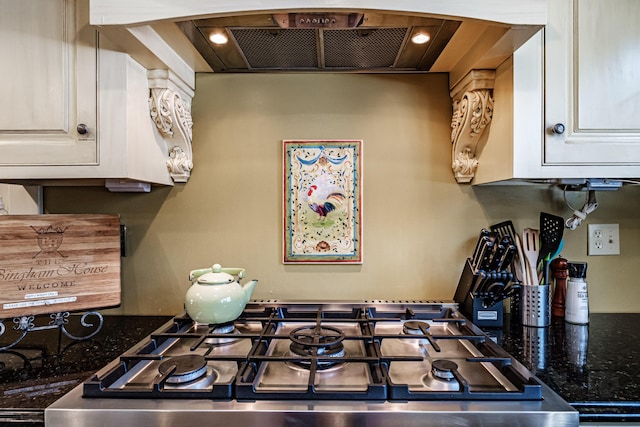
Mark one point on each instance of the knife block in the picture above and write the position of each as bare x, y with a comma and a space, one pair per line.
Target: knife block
472, 305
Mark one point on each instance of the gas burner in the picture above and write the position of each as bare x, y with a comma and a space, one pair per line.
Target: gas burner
323, 341
415, 327
183, 369
223, 329
443, 369
441, 377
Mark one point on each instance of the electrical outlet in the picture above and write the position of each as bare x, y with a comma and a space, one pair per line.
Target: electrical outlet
604, 239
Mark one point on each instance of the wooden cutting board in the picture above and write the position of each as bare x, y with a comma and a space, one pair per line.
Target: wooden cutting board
58, 263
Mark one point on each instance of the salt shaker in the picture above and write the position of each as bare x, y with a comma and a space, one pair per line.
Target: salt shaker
577, 301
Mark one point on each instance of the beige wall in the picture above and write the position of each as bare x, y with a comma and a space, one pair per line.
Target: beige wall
419, 225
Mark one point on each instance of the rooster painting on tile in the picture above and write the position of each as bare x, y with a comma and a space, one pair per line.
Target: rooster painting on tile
324, 197
322, 219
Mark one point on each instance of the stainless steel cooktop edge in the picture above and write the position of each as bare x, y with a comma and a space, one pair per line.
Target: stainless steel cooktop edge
74, 411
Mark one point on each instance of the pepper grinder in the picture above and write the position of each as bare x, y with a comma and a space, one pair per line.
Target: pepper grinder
559, 268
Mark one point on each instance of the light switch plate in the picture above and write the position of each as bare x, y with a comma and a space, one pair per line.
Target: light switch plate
604, 239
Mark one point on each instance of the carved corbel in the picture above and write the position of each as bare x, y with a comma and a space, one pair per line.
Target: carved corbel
170, 108
472, 113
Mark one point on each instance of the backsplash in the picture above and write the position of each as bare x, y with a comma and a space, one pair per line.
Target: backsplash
418, 224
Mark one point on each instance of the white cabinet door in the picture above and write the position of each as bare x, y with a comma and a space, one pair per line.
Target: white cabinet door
592, 82
48, 83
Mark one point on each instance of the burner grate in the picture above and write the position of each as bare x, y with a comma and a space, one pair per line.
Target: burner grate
174, 363
314, 355
368, 352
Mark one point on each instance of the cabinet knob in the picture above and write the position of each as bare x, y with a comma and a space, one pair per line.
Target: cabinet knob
82, 129
558, 129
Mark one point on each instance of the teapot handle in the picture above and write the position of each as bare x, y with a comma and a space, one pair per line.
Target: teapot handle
194, 274
234, 272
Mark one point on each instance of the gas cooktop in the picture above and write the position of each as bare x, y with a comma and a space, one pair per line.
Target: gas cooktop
373, 353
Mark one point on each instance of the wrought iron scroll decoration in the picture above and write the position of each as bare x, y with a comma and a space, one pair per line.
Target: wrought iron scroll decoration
26, 324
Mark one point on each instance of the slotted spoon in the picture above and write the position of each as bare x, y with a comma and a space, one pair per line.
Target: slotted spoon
530, 238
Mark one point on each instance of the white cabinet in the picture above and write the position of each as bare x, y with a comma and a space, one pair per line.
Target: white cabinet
48, 84
583, 72
77, 108
592, 82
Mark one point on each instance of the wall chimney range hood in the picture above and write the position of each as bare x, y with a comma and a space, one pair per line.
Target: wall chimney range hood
342, 35
468, 39
320, 41
151, 51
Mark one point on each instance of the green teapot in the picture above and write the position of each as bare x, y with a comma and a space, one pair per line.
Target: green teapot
216, 296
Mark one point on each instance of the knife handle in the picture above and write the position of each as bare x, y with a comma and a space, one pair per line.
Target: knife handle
559, 268
485, 255
483, 239
496, 257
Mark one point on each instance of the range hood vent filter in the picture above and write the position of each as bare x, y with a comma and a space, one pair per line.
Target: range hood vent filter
277, 49
363, 49
360, 49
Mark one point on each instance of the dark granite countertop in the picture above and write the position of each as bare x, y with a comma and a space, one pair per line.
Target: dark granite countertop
46, 364
595, 367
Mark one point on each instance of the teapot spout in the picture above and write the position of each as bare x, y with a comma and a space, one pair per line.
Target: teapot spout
247, 290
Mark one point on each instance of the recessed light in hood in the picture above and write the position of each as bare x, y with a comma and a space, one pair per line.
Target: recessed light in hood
218, 37
321, 42
420, 38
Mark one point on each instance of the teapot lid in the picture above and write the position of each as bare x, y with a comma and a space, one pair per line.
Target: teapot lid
216, 276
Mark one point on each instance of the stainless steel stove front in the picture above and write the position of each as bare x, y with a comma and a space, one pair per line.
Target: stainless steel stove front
74, 411
420, 367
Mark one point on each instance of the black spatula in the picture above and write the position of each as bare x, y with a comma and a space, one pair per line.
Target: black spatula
551, 230
505, 228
